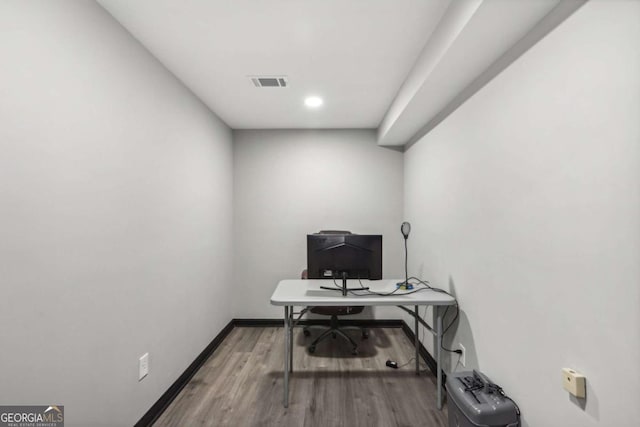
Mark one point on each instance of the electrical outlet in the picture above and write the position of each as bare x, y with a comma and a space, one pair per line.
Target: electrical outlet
463, 355
143, 366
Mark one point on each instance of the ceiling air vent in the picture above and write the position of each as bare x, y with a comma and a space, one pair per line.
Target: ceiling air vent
269, 81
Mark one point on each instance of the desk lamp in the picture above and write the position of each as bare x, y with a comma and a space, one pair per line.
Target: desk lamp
405, 229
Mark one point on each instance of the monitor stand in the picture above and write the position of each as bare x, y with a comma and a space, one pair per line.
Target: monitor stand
344, 286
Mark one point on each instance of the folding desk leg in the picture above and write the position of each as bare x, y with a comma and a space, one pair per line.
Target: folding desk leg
286, 356
439, 353
417, 333
291, 339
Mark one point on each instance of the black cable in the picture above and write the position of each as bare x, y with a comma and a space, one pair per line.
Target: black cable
424, 322
457, 351
408, 361
427, 287
454, 317
392, 293
367, 292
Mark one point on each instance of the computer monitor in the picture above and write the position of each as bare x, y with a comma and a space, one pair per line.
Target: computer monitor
356, 256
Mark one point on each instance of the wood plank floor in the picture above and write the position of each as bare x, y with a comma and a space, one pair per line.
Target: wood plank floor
241, 384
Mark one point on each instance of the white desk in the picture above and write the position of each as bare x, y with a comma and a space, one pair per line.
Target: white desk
307, 293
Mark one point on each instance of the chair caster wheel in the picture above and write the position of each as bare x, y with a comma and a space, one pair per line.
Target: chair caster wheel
354, 351
312, 349
306, 332
334, 335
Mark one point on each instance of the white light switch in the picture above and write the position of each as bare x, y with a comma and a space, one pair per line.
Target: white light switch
574, 382
143, 366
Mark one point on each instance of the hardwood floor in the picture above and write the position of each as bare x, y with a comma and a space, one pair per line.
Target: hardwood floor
242, 384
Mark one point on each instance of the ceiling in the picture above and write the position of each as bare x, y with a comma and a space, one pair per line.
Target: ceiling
397, 66
355, 54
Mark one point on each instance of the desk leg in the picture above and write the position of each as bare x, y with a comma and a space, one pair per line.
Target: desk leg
287, 350
416, 330
291, 339
438, 351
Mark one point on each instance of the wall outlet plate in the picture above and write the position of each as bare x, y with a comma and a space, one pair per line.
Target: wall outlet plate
463, 356
574, 382
143, 366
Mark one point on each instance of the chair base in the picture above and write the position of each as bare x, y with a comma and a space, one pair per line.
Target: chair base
334, 330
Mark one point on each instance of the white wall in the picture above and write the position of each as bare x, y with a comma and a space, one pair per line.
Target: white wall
115, 216
290, 183
525, 203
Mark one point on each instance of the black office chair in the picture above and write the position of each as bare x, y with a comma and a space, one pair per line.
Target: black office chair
334, 328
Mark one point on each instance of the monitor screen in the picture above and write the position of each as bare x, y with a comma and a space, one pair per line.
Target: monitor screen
357, 255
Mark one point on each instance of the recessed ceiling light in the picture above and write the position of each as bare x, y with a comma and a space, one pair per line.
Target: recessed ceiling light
313, 101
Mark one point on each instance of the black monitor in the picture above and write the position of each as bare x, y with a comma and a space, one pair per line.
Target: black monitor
357, 256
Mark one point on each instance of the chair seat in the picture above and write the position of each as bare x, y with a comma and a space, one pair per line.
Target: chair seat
337, 310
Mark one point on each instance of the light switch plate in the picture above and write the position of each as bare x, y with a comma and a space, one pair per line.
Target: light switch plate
574, 382
143, 366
